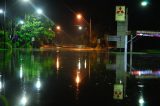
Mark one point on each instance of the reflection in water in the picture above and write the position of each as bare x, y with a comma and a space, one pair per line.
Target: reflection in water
77, 79
85, 63
23, 99
38, 84
57, 61
93, 74
79, 64
1, 84
21, 71
141, 100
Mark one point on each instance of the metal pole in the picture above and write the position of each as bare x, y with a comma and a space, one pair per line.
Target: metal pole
131, 44
131, 50
4, 23
126, 39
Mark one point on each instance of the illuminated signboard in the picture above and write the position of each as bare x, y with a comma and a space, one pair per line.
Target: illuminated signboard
148, 33
120, 13
146, 73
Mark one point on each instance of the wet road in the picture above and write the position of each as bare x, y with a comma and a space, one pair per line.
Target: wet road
78, 77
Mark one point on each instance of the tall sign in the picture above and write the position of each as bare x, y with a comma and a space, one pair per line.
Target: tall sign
121, 17
120, 13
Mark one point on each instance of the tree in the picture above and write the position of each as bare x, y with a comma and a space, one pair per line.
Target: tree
35, 31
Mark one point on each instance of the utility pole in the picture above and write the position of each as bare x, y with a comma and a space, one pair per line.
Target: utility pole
4, 24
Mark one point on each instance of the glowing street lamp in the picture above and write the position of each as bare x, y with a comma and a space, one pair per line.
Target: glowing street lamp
79, 16
58, 28
80, 27
144, 3
1, 11
21, 22
39, 11
25, 0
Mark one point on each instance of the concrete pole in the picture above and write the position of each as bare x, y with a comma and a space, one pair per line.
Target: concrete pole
126, 43
131, 50
131, 44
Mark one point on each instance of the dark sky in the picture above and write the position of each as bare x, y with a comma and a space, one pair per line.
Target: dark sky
102, 13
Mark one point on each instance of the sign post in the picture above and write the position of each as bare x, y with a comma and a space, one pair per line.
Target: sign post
120, 13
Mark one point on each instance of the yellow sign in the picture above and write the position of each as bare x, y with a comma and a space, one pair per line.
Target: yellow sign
118, 92
120, 13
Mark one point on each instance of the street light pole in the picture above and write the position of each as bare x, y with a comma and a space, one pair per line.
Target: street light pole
4, 23
79, 17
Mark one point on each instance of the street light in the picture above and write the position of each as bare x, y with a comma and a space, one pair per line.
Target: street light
1, 11
21, 22
4, 19
4, 23
80, 27
39, 11
25, 0
80, 17
58, 28
144, 3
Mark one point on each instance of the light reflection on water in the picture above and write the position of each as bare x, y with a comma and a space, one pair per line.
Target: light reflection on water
75, 78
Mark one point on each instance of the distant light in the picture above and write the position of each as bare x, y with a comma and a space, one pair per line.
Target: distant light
26, 0
50, 29
39, 11
1, 11
79, 16
120, 81
144, 3
21, 22
58, 27
80, 27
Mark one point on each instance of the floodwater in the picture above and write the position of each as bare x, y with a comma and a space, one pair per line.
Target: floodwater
78, 78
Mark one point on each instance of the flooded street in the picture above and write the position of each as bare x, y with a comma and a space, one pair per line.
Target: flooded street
78, 78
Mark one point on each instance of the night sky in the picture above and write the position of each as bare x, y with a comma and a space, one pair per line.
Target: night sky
102, 12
